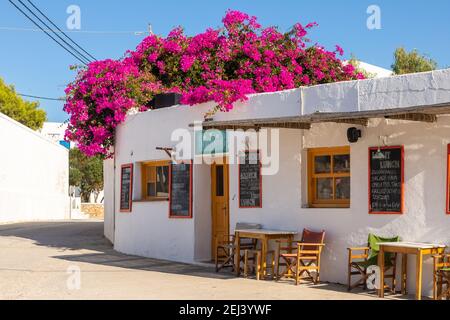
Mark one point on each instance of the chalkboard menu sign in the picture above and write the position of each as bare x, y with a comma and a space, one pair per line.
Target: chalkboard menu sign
180, 190
250, 191
126, 187
386, 180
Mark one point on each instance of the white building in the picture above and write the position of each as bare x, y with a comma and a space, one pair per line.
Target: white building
375, 71
410, 111
55, 131
34, 175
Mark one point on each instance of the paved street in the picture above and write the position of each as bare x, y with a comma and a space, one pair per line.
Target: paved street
35, 259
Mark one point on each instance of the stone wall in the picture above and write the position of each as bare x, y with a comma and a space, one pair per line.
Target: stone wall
94, 210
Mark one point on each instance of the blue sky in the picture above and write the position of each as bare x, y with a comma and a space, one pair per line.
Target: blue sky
37, 66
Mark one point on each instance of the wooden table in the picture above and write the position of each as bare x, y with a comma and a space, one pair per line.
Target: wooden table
405, 248
264, 236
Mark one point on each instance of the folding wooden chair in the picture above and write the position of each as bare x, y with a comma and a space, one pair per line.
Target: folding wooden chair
361, 258
300, 257
226, 247
441, 277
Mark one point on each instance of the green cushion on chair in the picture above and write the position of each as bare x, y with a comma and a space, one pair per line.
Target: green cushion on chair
445, 269
373, 243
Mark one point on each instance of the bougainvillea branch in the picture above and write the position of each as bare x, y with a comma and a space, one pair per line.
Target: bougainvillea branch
221, 65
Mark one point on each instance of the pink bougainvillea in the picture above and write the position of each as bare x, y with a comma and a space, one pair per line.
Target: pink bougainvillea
221, 65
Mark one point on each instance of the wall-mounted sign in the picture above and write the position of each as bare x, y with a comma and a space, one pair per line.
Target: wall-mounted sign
250, 180
211, 142
386, 180
180, 190
126, 187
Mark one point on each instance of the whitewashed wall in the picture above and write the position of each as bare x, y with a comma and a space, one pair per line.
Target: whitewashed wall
34, 175
108, 182
424, 219
147, 230
403, 91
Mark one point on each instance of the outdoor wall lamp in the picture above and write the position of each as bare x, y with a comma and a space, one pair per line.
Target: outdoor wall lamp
380, 155
168, 151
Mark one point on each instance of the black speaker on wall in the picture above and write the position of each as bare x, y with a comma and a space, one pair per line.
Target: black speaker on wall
353, 135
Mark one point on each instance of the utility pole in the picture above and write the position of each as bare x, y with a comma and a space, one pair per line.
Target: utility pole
149, 31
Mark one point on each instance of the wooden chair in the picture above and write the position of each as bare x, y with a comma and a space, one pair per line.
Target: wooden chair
255, 256
226, 246
361, 258
300, 257
441, 277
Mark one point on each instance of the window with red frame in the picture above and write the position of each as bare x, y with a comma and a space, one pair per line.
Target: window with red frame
447, 206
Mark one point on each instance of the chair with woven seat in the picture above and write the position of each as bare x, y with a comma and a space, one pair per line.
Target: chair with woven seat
226, 246
441, 277
361, 258
300, 257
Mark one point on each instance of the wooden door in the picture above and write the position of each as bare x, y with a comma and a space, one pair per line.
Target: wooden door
220, 203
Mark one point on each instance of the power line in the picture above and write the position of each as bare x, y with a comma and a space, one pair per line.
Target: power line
40, 98
47, 26
48, 34
100, 32
69, 38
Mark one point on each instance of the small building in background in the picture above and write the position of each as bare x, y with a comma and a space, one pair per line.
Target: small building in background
373, 70
55, 132
34, 175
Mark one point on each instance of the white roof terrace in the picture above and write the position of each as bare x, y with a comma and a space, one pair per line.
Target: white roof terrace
414, 97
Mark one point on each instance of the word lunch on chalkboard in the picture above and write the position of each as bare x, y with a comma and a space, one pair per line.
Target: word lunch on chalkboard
180, 190
126, 187
250, 180
386, 180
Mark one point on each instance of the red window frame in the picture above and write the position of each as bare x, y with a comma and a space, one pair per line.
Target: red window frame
260, 182
130, 197
402, 164
447, 205
171, 215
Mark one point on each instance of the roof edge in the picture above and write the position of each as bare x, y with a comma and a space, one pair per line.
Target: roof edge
37, 134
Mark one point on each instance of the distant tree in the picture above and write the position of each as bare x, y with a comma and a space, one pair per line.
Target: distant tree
25, 112
86, 173
412, 62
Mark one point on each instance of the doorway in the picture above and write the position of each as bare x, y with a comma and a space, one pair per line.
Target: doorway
219, 203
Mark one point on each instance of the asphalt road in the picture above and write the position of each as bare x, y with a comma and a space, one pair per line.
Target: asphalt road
72, 260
